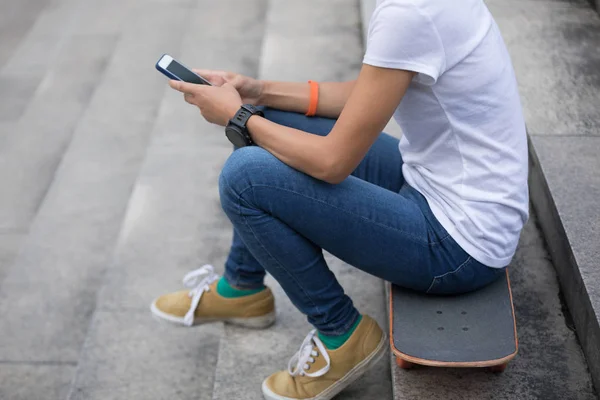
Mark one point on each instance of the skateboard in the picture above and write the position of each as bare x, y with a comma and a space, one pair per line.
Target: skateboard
476, 329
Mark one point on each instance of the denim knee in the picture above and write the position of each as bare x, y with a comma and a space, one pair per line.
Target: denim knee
238, 172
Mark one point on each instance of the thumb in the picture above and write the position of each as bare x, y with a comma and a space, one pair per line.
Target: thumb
229, 86
183, 87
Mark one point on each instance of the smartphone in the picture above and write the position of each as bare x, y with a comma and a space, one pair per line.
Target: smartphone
173, 69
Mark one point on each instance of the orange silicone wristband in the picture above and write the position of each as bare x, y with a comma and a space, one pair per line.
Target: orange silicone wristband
314, 98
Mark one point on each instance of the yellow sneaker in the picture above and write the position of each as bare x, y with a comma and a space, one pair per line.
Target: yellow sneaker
203, 304
315, 373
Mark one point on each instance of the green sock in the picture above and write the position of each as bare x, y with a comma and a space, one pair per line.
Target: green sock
335, 342
226, 290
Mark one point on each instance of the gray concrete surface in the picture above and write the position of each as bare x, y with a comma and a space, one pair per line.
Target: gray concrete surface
26, 381
555, 47
75, 228
33, 148
567, 196
53, 282
16, 18
174, 223
36, 51
576, 192
10, 244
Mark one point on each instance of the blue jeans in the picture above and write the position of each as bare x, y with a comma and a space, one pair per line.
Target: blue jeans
373, 220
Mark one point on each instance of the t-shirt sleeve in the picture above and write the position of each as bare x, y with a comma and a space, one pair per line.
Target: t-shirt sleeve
401, 36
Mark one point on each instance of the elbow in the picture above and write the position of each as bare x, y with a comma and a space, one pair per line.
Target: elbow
334, 179
330, 164
332, 172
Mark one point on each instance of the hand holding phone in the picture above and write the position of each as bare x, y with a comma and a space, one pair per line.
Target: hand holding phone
173, 69
219, 102
249, 88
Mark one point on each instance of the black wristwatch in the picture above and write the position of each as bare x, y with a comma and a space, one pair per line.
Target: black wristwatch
236, 130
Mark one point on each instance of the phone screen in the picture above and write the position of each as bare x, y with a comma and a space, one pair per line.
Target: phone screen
185, 74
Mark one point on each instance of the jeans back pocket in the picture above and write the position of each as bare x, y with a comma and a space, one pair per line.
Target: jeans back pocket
467, 277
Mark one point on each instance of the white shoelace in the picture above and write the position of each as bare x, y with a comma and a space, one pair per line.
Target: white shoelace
198, 287
306, 355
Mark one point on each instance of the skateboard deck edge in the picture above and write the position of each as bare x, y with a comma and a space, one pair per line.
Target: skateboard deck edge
453, 364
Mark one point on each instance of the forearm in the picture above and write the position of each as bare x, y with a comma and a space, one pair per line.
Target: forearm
332, 158
295, 96
300, 150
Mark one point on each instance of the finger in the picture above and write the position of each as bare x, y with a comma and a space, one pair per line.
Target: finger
215, 77
210, 73
231, 86
189, 98
237, 82
183, 87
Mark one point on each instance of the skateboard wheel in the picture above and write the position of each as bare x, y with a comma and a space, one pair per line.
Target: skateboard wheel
498, 368
403, 363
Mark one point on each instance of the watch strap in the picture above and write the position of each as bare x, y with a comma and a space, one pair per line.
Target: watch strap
243, 115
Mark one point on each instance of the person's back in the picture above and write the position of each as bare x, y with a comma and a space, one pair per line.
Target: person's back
464, 146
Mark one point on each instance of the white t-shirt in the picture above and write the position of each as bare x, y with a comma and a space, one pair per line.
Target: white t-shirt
464, 145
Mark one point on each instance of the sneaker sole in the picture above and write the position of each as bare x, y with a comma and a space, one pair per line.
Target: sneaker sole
260, 322
333, 390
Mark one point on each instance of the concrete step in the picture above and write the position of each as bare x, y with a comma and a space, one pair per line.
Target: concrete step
299, 45
16, 18
23, 70
10, 243
33, 148
48, 295
174, 224
63, 81
556, 52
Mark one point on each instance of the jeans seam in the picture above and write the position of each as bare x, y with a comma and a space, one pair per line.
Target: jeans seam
412, 237
238, 284
279, 266
441, 240
448, 273
240, 199
230, 280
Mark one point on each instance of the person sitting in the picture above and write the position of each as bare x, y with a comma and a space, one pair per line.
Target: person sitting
439, 211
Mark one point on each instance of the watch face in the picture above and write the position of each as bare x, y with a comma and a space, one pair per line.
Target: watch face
235, 137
